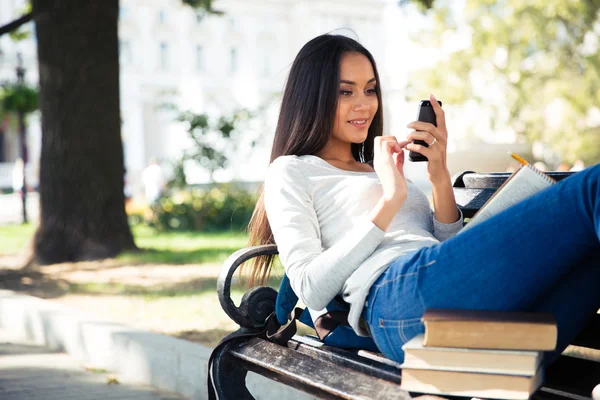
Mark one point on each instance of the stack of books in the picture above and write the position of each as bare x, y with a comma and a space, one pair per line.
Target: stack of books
489, 354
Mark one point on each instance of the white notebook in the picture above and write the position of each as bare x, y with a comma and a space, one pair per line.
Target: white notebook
525, 182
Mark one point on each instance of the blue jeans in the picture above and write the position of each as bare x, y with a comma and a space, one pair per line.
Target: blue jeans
541, 255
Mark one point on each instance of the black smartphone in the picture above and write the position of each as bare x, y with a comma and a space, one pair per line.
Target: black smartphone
425, 114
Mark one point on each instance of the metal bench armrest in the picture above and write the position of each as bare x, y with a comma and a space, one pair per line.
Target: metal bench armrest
258, 302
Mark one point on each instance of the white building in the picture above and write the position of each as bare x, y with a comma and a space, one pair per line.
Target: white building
205, 63
214, 64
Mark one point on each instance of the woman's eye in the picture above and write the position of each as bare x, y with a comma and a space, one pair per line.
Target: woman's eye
371, 91
345, 92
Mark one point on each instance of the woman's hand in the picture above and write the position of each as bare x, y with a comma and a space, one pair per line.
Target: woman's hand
436, 137
444, 203
389, 165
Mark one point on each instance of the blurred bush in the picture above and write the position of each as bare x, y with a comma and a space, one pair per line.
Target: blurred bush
18, 97
221, 208
137, 211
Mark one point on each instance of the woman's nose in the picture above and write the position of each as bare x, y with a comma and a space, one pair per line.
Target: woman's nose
362, 105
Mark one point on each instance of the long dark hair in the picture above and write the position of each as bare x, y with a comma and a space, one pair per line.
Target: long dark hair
306, 121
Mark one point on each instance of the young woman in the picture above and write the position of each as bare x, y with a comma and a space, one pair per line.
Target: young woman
346, 221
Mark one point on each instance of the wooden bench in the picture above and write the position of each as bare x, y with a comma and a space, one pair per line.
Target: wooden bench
327, 372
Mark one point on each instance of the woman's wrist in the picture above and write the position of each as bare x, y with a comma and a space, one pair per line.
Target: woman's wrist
385, 210
444, 202
440, 176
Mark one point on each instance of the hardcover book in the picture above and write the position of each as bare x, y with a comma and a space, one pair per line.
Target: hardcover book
471, 384
475, 329
510, 362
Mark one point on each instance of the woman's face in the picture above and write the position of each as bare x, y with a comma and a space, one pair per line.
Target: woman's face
357, 99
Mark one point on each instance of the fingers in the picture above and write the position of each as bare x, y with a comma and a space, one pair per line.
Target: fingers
389, 150
403, 143
380, 139
389, 143
440, 115
421, 135
438, 132
430, 153
399, 161
393, 147
425, 127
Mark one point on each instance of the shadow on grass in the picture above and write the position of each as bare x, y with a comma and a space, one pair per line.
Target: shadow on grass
41, 285
191, 287
33, 283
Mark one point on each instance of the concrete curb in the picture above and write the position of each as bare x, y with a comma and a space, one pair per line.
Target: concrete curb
135, 355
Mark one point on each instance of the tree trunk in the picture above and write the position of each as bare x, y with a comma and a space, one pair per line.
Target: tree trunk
82, 204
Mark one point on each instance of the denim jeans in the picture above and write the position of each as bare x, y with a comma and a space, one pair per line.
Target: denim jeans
540, 255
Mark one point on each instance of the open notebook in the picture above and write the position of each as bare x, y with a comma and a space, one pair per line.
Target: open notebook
524, 182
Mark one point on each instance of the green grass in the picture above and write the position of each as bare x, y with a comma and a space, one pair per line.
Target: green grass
183, 247
157, 247
150, 238
187, 308
13, 238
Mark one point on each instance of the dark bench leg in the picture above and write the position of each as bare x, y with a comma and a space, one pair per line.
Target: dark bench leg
229, 376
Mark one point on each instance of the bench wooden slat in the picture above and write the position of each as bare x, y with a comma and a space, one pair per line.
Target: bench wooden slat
553, 394
362, 361
313, 375
333, 373
471, 200
496, 179
479, 187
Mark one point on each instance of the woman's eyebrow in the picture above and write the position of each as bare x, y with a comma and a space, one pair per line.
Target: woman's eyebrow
354, 83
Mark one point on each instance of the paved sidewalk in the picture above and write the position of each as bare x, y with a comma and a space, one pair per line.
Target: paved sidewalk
133, 355
35, 373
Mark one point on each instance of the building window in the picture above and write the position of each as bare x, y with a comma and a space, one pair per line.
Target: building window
125, 56
199, 58
161, 17
164, 56
233, 61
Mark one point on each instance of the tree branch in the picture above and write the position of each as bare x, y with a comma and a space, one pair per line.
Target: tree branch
16, 24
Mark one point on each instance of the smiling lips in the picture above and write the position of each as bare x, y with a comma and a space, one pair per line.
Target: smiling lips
359, 123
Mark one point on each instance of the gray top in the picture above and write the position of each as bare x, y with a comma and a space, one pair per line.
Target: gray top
319, 215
